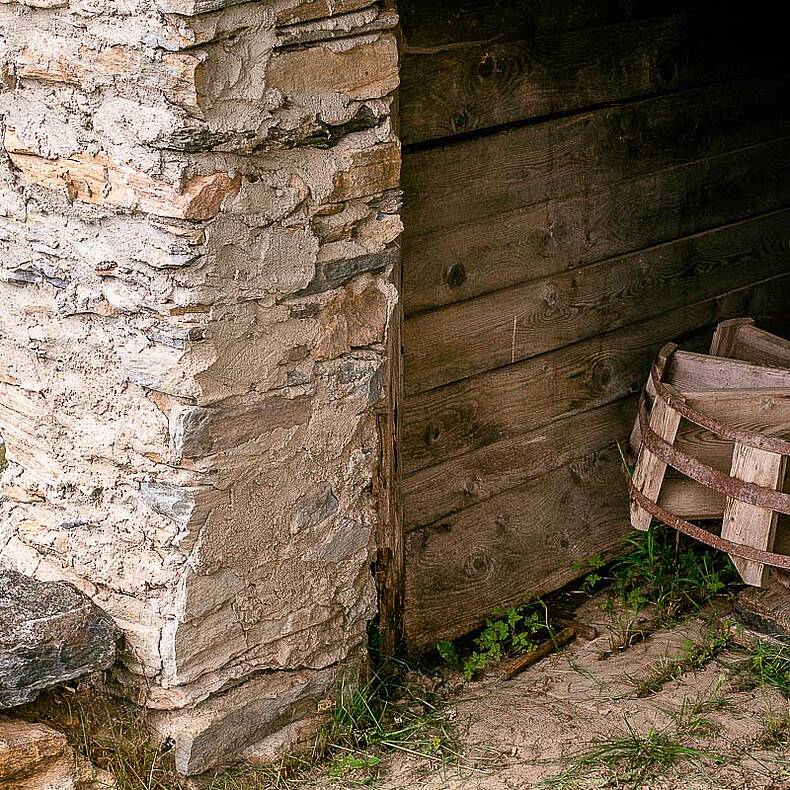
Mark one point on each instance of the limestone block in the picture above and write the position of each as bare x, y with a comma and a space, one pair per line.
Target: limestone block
224, 23
230, 722
358, 68
177, 75
360, 23
50, 633
196, 431
355, 317
97, 179
192, 7
338, 272
293, 11
36, 757
369, 171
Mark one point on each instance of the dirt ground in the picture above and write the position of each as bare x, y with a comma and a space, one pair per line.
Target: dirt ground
525, 732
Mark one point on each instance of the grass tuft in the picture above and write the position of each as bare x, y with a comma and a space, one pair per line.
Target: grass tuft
695, 656
769, 664
631, 758
670, 572
111, 733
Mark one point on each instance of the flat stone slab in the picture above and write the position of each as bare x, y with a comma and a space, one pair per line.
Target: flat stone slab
50, 633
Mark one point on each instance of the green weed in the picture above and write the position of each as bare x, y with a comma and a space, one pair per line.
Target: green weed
449, 653
590, 568
670, 572
506, 634
769, 664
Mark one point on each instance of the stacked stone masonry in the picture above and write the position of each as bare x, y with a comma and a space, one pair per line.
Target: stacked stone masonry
199, 213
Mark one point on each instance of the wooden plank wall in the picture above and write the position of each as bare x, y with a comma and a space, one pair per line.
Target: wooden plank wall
584, 181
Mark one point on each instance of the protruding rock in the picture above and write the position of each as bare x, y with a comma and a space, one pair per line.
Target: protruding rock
50, 633
35, 757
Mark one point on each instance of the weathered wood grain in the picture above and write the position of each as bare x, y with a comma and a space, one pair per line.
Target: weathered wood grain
502, 328
746, 523
725, 337
457, 263
513, 547
443, 22
450, 90
741, 339
432, 493
690, 500
649, 470
763, 411
691, 372
768, 609
449, 421
388, 493
574, 155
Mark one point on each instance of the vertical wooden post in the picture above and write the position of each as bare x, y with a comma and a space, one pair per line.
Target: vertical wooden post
389, 568
749, 524
649, 471
650, 393
726, 336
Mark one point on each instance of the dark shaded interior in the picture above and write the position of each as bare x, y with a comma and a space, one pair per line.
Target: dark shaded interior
583, 182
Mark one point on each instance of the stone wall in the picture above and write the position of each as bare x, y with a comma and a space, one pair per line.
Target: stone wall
199, 213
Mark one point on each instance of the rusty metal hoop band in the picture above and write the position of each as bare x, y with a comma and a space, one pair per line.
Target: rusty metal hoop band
752, 494
708, 538
742, 436
693, 468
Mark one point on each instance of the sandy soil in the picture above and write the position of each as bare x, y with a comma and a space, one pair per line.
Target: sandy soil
523, 731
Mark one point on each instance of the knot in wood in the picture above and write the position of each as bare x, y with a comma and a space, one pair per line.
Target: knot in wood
486, 66
432, 434
479, 564
456, 275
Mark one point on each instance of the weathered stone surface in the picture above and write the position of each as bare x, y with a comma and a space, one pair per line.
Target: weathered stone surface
199, 212
36, 757
50, 633
364, 71
244, 716
96, 179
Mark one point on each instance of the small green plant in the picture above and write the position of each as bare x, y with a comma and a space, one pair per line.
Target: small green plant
670, 572
769, 664
592, 578
508, 633
359, 767
448, 653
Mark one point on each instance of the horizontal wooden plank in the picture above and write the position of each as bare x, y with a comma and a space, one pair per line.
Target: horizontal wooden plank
574, 155
741, 339
450, 90
449, 421
431, 494
498, 329
690, 500
438, 23
506, 550
454, 264
691, 372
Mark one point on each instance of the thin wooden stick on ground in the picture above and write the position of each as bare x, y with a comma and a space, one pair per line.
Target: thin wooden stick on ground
520, 663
